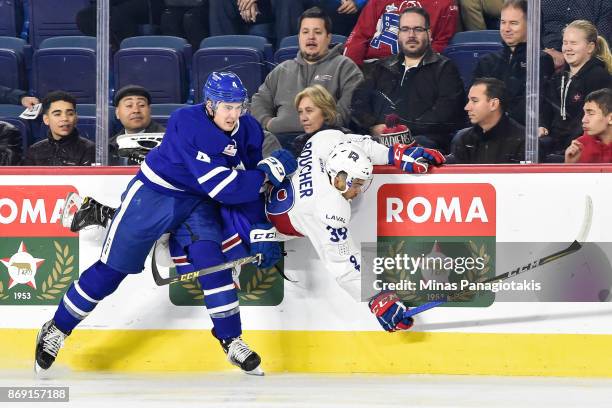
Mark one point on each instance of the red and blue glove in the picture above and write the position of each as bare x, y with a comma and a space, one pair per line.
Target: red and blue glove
414, 159
389, 310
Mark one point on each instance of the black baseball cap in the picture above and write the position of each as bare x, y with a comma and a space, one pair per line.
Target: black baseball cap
131, 90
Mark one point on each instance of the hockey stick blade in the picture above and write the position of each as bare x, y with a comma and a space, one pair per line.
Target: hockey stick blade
574, 247
160, 281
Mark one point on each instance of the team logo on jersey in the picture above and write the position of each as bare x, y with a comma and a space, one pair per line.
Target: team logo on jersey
231, 149
38, 256
446, 230
203, 157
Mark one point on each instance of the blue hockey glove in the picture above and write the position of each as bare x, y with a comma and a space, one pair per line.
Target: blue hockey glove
414, 159
280, 164
389, 310
263, 241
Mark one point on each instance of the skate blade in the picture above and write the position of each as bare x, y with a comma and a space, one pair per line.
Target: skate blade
256, 371
72, 204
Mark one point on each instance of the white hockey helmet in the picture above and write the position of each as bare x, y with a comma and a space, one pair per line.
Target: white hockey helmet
351, 159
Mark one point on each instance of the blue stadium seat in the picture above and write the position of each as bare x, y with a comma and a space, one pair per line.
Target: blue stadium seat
52, 18
466, 56
292, 41
161, 112
10, 114
70, 67
286, 53
8, 18
245, 41
12, 62
480, 36
247, 63
158, 63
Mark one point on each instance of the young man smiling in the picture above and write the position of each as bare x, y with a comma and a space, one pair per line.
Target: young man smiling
63, 145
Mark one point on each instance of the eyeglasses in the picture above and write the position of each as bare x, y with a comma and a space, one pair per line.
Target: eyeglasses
416, 30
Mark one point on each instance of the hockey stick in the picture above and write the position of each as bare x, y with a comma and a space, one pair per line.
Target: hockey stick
574, 247
160, 281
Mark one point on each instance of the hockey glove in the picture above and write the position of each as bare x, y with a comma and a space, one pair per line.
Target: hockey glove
414, 159
263, 241
280, 164
389, 310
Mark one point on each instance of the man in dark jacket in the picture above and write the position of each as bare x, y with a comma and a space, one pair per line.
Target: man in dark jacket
133, 109
63, 146
423, 87
510, 64
494, 138
16, 97
10, 145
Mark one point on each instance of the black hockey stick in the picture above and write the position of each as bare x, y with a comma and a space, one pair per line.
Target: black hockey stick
160, 281
575, 246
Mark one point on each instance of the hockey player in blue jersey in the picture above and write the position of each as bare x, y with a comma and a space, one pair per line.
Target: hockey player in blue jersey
208, 166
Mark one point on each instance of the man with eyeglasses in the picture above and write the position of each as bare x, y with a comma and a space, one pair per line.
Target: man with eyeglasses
421, 86
375, 34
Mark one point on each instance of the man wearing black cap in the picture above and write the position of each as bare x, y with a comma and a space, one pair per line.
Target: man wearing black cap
133, 109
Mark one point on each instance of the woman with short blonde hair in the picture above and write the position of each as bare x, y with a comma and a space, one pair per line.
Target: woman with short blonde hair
322, 99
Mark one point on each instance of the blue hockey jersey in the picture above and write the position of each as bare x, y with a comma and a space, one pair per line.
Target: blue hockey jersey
197, 158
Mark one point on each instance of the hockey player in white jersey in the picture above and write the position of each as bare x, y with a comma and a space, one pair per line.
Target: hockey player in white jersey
333, 168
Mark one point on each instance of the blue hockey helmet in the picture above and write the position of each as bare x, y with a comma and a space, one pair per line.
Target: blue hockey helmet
224, 87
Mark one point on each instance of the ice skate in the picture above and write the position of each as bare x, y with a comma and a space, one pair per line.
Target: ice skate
90, 213
48, 342
240, 355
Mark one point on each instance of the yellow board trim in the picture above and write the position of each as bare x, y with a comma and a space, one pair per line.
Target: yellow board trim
575, 355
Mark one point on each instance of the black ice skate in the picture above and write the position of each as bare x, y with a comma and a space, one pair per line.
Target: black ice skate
48, 342
240, 355
90, 213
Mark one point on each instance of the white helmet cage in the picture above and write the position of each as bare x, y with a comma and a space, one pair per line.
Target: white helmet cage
351, 159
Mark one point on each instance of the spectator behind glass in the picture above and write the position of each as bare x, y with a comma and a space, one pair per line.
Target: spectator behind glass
376, 32
273, 104
510, 63
557, 14
125, 16
10, 145
133, 109
595, 145
63, 145
494, 137
187, 19
16, 97
421, 86
588, 68
316, 110
474, 12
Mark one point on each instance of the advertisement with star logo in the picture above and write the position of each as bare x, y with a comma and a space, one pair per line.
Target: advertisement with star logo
38, 256
433, 237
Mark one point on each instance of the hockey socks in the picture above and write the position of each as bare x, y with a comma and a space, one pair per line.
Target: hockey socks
95, 283
220, 295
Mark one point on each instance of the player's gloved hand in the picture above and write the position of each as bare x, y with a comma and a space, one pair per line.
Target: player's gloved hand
263, 241
280, 164
414, 159
389, 310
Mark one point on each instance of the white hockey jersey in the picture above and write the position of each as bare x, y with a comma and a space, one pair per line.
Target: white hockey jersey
308, 205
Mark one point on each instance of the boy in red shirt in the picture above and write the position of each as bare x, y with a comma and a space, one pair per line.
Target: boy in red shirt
595, 145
